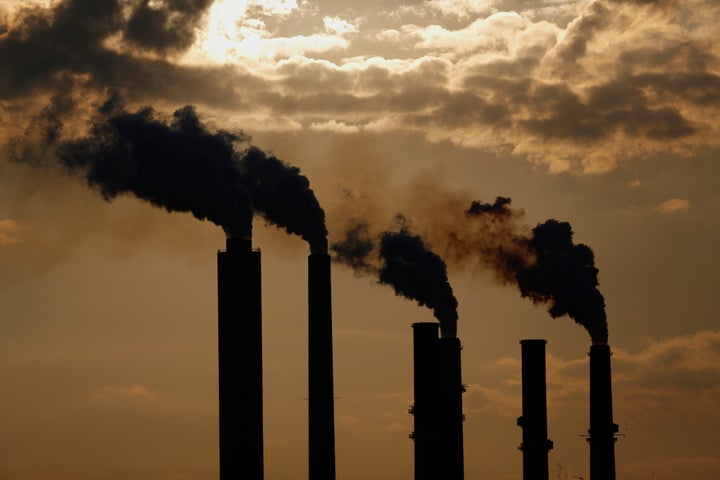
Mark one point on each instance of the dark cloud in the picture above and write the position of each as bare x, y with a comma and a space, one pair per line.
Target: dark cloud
610, 107
166, 27
44, 46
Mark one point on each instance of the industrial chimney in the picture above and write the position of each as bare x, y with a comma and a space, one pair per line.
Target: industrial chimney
437, 411
602, 428
424, 408
449, 411
535, 444
240, 361
321, 410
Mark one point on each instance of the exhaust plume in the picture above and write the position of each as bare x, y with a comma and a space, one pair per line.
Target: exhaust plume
405, 263
184, 167
417, 273
564, 276
546, 266
284, 197
181, 167
544, 262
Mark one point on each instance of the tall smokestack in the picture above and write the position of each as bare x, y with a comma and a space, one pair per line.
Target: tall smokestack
424, 410
449, 411
320, 369
240, 361
535, 444
602, 428
437, 409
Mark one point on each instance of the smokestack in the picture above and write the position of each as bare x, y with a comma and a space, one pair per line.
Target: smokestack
535, 444
424, 410
240, 361
320, 369
449, 411
437, 409
602, 428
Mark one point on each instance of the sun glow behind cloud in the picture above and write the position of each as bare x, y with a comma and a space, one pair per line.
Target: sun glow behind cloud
236, 32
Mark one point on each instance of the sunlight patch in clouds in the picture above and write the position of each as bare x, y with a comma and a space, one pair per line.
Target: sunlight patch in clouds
334, 126
338, 26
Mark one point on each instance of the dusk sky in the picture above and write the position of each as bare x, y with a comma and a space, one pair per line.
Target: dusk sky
601, 113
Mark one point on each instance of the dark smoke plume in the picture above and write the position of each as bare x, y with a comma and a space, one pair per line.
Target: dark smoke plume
546, 266
181, 167
184, 167
284, 197
564, 276
403, 261
417, 273
544, 263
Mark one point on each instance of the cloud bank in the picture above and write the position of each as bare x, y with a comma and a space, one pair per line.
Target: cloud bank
579, 86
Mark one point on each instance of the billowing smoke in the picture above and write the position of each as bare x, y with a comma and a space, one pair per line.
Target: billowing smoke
402, 260
544, 262
564, 276
546, 266
284, 197
417, 273
182, 166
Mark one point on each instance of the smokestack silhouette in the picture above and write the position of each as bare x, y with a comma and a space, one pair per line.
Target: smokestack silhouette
321, 409
437, 409
240, 361
450, 388
426, 435
535, 444
602, 428
184, 167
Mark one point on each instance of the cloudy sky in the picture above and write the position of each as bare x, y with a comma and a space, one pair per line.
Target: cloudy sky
601, 113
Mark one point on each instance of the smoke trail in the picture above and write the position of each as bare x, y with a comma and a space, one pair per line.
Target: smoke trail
181, 167
564, 276
355, 249
417, 273
186, 168
547, 266
403, 261
543, 263
284, 197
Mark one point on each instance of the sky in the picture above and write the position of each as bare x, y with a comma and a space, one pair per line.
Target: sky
601, 113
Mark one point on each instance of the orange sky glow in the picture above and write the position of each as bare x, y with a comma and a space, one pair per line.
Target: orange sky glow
601, 113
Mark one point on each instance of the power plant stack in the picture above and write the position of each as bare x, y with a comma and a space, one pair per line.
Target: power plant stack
602, 428
426, 422
437, 410
321, 409
535, 444
240, 361
450, 389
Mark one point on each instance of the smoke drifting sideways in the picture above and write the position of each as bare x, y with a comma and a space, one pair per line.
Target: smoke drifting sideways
184, 167
402, 260
548, 267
